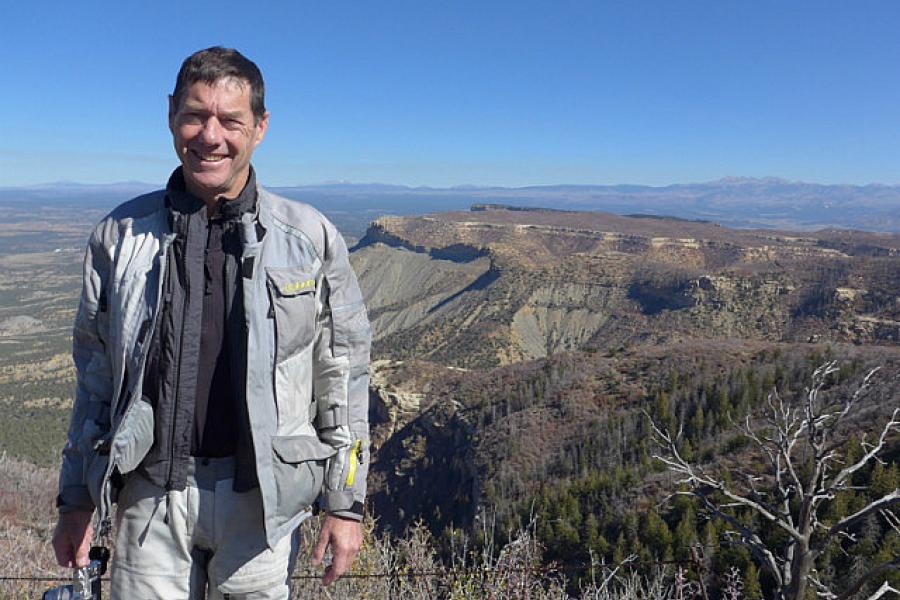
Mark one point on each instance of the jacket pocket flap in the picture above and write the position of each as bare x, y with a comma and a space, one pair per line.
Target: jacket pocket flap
298, 448
291, 281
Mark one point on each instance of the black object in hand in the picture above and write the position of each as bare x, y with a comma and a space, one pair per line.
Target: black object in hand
85, 581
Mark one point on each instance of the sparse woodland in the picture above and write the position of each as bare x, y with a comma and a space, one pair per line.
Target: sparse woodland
794, 508
595, 493
388, 567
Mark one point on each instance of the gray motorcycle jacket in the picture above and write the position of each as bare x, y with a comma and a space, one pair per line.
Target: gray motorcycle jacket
308, 340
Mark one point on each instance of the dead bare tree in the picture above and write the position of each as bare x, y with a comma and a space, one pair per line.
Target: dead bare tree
806, 465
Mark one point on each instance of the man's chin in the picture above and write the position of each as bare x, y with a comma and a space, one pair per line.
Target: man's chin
206, 185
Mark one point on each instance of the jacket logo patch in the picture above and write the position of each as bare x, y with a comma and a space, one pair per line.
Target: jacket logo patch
292, 287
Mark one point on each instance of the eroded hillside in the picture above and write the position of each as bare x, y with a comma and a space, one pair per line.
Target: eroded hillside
454, 444
496, 285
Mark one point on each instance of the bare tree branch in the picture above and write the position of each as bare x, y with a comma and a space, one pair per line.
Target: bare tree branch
875, 506
804, 448
893, 423
865, 577
822, 590
892, 519
884, 589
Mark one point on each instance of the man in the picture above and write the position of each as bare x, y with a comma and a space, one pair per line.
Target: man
221, 347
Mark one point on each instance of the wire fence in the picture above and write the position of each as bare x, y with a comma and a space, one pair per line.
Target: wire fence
545, 569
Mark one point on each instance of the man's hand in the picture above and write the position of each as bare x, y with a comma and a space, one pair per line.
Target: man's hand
72, 539
345, 538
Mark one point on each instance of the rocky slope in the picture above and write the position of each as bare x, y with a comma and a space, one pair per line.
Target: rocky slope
516, 343
489, 440
497, 285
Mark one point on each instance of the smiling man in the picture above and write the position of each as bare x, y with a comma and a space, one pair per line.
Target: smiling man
221, 348
215, 127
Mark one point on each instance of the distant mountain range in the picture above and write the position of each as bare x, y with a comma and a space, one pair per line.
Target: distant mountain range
733, 201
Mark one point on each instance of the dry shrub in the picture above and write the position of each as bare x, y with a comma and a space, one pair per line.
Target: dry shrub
27, 518
386, 568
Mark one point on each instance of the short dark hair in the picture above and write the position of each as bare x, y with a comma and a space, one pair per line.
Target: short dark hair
217, 63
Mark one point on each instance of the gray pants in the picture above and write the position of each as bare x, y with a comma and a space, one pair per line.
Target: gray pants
206, 539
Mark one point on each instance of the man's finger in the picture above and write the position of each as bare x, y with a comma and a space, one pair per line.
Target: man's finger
63, 550
82, 558
72, 539
64, 557
340, 563
321, 545
345, 538
329, 575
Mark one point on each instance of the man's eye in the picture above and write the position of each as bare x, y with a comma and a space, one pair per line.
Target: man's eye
191, 118
232, 124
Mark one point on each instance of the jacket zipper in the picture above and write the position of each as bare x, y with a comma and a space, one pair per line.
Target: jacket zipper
175, 398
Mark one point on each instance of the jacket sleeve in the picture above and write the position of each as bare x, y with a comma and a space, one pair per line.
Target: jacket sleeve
341, 381
93, 374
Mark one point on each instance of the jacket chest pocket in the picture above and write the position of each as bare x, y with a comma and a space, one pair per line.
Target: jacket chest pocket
292, 293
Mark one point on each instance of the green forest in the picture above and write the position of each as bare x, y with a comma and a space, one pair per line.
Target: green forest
596, 494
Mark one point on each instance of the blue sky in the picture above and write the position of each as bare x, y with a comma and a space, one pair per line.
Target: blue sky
449, 92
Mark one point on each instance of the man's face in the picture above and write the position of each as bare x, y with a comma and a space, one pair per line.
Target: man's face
215, 133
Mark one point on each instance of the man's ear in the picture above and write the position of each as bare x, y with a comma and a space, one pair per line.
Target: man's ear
262, 126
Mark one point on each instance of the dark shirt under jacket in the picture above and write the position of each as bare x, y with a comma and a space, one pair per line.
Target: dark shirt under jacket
217, 408
195, 377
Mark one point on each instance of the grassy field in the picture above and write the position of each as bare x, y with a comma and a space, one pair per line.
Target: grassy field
40, 272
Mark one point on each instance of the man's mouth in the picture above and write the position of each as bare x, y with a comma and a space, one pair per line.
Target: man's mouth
211, 158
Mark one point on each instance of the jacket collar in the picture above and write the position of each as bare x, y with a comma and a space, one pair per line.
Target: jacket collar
182, 201
264, 207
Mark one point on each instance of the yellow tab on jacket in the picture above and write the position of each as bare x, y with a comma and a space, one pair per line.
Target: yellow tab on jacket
354, 462
292, 287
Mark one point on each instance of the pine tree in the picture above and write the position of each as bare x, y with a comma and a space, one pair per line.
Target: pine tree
622, 549
685, 535
687, 450
696, 425
752, 589
722, 407
884, 479
655, 534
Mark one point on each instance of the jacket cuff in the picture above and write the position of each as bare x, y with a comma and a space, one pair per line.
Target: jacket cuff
342, 504
355, 512
74, 498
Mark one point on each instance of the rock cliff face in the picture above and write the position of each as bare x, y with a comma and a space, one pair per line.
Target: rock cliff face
467, 308
498, 286
422, 447
392, 403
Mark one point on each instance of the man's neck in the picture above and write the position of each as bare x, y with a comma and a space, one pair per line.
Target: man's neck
212, 200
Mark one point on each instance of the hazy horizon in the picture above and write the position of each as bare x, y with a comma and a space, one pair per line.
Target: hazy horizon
462, 186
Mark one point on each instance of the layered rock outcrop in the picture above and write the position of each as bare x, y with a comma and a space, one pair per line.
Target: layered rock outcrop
497, 286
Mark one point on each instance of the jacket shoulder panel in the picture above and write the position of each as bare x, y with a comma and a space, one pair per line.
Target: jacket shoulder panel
138, 208
301, 220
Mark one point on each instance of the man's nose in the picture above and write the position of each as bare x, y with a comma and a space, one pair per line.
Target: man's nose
212, 131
